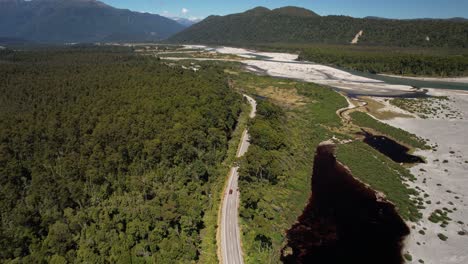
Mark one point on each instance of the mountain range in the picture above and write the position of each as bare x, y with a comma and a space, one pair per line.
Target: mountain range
185, 21
70, 21
301, 26
62, 21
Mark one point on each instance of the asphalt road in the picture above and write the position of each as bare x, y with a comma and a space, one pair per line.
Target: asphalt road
230, 236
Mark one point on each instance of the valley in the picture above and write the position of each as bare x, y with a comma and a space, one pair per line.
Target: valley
169, 132
279, 65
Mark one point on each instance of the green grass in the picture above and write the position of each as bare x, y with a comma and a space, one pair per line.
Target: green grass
382, 174
364, 120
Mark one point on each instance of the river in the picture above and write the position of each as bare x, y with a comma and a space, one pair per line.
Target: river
285, 65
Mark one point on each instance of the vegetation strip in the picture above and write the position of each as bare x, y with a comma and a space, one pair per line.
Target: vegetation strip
411, 140
275, 174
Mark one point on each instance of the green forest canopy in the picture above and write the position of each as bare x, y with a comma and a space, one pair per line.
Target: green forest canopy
106, 157
400, 61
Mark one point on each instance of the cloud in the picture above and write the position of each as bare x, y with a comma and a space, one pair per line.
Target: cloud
184, 11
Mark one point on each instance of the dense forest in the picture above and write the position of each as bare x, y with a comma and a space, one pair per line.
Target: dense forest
296, 25
106, 157
386, 60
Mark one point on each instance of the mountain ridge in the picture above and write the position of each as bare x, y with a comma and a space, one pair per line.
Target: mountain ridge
294, 11
301, 26
59, 21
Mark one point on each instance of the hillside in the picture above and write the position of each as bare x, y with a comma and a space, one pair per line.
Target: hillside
80, 21
298, 25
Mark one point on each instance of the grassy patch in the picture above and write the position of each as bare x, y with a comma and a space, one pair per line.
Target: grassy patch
427, 107
382, 174
376, 109
364, 120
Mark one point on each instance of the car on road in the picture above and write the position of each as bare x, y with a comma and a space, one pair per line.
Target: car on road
230, 191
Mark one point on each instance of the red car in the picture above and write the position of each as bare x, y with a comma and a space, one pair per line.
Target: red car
230, 191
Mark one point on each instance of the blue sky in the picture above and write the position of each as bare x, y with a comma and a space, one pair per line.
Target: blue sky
355, 8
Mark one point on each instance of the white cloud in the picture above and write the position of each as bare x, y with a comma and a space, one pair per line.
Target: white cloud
185, 11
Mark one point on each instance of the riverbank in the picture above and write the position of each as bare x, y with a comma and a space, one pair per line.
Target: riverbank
440, 181
431, 79
436, 238
332, 229
286, 65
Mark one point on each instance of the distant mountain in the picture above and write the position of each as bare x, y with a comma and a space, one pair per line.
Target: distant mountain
185, 21
301, 26
376, 18
453, 19
13, 41
459, 19
80, 21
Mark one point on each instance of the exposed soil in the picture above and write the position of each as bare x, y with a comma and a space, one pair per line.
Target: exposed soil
345, 221
356, 38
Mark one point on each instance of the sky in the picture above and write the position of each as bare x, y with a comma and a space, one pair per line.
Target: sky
357, 8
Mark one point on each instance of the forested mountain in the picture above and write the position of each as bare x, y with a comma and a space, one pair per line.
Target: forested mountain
106, 157
80, 21
297, 25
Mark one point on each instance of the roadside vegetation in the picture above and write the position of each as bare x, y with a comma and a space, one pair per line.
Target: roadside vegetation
108, 157
209, 246
275, 174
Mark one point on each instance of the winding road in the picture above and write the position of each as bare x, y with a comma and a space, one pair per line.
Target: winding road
230, 235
